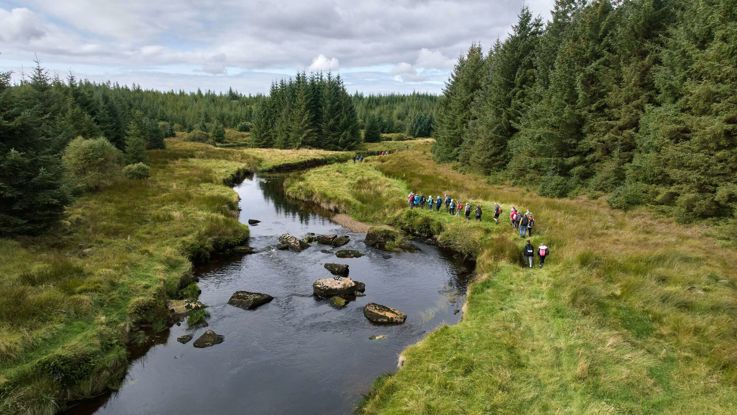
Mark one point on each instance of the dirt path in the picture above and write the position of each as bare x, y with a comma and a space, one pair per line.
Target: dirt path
350, 223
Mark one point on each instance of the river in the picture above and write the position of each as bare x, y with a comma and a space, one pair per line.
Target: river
295, 355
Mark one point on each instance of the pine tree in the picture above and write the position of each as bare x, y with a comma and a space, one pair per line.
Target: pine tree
135, 144
372, 130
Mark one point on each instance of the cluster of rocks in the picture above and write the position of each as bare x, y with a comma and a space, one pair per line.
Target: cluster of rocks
293, 243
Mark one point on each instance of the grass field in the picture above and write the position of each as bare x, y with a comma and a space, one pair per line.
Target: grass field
633, 313
73, 298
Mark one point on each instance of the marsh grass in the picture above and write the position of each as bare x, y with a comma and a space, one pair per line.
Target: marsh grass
633, 313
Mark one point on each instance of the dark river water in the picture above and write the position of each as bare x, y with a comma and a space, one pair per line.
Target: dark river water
295, 355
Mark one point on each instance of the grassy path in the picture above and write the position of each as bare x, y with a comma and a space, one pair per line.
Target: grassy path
632, 314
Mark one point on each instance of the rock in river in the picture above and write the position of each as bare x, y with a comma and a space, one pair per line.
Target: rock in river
184, 339
337, 269
348, 253
387, 239
208, 338
253, 221
341, 240
380, 314
288, 241
330, 287
248, 300
326, 239
338, 302
310, 237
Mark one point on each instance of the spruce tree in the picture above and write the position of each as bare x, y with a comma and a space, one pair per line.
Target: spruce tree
135, 144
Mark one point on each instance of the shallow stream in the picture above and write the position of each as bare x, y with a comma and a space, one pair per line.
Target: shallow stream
295, 355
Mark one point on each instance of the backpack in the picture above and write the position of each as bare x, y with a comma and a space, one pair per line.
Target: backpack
543, 251
529, 250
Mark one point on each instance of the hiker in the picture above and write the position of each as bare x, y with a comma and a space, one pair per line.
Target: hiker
417, 200
529, 253
497, 213
422, 201
411, 199
430, 202
542, 252
530, 223
468, 211
517, 218
478, 213
512, 215
459, 208
523, 226
452, 208
438, 203
448, 200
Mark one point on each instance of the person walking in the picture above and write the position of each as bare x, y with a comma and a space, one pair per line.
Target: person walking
438, 203
529, 253
468, 211
513, 216
422, 201
530, 224
459, 208
542, 252
417, 200
452, 207
478, 213
523, 226
497, 213
448, 201
411, 199
430, 202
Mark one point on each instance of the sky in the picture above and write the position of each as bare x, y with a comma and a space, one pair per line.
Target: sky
377, 46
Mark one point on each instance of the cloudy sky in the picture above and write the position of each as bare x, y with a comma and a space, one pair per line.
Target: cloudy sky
378, 46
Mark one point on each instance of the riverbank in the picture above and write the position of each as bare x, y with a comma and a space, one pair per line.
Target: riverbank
75, 297
632, 314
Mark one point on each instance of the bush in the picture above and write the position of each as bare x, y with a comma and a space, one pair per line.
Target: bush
91, 164
554, 186
198, 136
244, 127
630, 195
137, 171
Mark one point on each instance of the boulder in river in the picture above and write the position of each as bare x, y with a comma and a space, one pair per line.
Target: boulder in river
360, 286
248, 300
253, 221
310, 237
326, 239
184, 339
337, 269
179, 309
348, 253
208, 338
291, 242
341, 240
387, 239
330, 287
381, 314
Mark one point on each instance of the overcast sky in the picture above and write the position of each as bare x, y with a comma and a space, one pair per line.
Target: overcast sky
377, 46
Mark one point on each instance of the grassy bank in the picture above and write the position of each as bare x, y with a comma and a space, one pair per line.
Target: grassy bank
74, 297
632, 314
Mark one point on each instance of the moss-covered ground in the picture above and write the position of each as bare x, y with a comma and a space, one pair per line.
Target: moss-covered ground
632, 313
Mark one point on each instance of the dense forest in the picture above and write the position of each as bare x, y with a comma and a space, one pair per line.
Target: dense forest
314, 111
412, 115
635, 99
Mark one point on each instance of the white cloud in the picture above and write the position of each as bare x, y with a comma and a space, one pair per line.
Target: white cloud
322, 63
434, 59
19, 25
215, 65
405, 72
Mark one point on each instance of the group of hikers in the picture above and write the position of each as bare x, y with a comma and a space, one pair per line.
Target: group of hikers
359, 158
523, 223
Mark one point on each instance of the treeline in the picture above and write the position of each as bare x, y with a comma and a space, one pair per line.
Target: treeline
632, 98
307, 111
412, 114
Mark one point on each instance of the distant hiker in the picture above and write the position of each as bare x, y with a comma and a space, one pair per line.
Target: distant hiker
411, 199
452, 208
497, 213
529, 253
513, 215
542, 252
478, 213
448, 201
429, 202
530, 224
459, 208
438, 203
417, 200
468, 211
523, 226
422, 201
